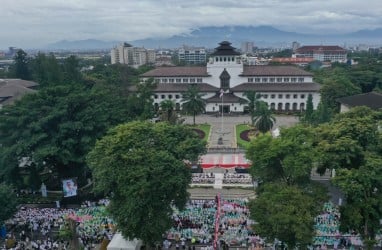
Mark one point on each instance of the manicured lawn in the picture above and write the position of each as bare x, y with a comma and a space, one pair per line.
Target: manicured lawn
240, 128
206, 128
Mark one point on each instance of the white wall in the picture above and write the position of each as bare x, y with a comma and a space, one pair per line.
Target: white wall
215, 69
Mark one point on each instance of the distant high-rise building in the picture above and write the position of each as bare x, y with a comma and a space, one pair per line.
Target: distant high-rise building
133, 56
192, 55
247, 47
295, 46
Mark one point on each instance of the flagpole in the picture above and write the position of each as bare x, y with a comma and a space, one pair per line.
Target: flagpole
221, 129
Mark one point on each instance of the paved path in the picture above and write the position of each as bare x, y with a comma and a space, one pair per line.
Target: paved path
229, 123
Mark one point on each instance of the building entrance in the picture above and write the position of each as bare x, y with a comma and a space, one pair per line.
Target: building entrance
226, 108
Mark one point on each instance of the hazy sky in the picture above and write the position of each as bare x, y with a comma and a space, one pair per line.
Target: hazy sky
35, 23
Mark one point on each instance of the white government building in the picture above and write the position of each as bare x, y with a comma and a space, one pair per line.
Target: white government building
283, 88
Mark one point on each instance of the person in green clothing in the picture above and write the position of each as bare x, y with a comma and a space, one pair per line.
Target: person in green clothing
193, 240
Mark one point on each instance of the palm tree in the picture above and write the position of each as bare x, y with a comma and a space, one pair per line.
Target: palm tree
167, 107
264, 120
192, 101
253, 102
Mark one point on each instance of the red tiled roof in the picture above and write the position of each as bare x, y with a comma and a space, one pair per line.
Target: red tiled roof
266, 70
277, 87
322, 48
176, 71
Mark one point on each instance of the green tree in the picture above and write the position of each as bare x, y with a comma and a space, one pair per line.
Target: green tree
287, 158
141, 101
56, 127
322, 114
308, 115
343, 142
335, 86
192, 102
46, 69
168, 114
141, 165
20, 68
8, 202
286, 213
71, 70
253, 104
362, 210
264, 120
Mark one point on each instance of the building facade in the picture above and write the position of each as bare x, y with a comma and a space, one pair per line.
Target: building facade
132, 56
192, 55
322, 53
283, 88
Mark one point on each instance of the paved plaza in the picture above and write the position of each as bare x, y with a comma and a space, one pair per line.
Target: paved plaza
225, 127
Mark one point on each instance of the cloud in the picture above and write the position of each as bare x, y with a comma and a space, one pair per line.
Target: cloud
27, 23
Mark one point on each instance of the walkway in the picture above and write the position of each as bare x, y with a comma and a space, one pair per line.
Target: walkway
229, 122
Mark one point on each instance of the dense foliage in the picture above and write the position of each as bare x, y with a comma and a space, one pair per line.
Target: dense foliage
8, 202
141, 165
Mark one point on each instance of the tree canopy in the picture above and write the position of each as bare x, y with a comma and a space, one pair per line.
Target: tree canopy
263, 120
287, 158
351, 143
287, 199
284, 212
363, 208
141, 165
253, 99
192, 102
8, 202
20, 68
56, 127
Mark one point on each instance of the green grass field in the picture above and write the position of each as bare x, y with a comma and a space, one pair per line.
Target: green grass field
240, 128
206, 128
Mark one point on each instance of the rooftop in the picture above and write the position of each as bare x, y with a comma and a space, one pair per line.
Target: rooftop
176, 71
225, 49
318, 48
277, 87
372, 100
267, 70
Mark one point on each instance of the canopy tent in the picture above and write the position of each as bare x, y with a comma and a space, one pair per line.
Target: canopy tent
120, 243
224, 161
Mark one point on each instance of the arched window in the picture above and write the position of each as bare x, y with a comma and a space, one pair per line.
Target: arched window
302, 106
273, 106
294, 106
224, 80
287, 106
156, 106
280, 106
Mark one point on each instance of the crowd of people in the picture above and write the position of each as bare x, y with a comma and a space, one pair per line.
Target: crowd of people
233, 178
203, 178
38, 228
235, 224
196, 223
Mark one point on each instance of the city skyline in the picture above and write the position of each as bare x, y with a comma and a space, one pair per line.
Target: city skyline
31, 24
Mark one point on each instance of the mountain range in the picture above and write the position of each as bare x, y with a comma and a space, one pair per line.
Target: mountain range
209, 37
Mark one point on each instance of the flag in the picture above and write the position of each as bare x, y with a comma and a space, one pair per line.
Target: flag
221, 93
